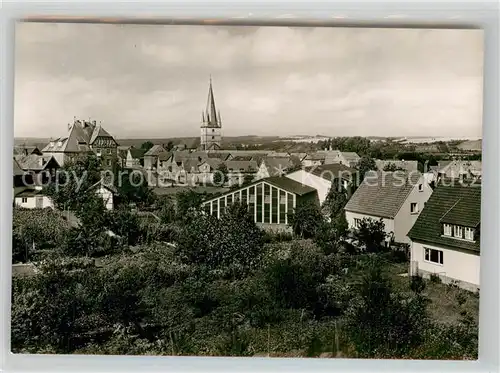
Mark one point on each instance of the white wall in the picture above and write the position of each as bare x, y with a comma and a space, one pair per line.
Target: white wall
321, 185
310, 163
31, 202
350, 216
107, 196
457, 265
404, 219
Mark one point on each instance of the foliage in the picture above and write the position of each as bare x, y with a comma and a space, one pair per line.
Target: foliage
232, 243
186, 203
364, 165
34, 229
305, 219
381, 322
221, 175
371, 234
133, 188
391, 167
146, 145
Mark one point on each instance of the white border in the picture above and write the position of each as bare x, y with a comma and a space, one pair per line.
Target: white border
423, 13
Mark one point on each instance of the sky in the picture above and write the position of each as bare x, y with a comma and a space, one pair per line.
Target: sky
150, 81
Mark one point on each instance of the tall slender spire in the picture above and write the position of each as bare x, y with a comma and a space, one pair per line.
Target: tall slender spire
211, 111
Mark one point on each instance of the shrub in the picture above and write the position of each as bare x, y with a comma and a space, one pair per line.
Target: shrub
434, 277
417, 284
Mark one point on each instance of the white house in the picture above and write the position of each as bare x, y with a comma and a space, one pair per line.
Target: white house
31, 198
445, 237
395, 197
322, 177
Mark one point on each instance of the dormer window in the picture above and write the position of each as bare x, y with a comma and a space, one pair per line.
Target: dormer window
420, 187
469, 233
447, 229
457, 231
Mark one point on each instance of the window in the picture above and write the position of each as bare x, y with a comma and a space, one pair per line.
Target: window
457, 231
414, 207
24, 200
469, 234
447, 229
433, 256
213, 131
110, 151
357, 222
420, 188
108, 162
212, 137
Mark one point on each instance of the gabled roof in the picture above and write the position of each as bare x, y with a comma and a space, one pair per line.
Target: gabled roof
242, 158
17, 170
223, 156
26, 150
276, 166
457, 204
282, 182
137, 153
155, 150
406, 165
35, 162
212, 162
289, 185
381, 194
332, 171
99, 132
164, 156
246, 166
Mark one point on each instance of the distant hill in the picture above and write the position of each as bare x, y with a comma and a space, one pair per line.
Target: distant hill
471, 145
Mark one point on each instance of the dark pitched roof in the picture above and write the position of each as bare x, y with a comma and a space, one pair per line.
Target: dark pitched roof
236, 166
289, 185
99, 132
282, 182
242, 158
220, 155
35, 162
331, 171
18, 171
382, 194
155, 150
137, 153
458, 204
164, 156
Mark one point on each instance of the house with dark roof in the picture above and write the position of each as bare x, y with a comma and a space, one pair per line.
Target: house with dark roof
24, 150
83, 138
349, 159
135, 157
459, 169
151, 157
445, 237
395, 197
270, 200
324, 176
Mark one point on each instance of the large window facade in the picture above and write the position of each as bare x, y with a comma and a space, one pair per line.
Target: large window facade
267, 203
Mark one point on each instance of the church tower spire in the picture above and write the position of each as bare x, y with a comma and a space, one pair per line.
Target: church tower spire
211, 122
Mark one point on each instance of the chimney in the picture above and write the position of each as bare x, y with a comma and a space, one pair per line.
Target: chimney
51, 143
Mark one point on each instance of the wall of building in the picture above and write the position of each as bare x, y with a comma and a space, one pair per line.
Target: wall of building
33, 202
351, 216
404, 219
320, 184
270, 205
107, 196
457, 265
210, 136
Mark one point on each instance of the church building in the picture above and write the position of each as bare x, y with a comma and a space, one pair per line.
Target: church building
211, 125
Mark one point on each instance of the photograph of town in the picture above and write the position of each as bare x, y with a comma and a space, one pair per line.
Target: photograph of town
305, 192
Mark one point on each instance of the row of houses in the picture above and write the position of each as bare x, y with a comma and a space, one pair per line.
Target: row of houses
441, 224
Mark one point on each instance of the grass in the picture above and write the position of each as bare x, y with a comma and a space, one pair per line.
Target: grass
445, 299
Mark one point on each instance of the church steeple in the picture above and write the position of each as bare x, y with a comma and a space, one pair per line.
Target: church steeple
211, 117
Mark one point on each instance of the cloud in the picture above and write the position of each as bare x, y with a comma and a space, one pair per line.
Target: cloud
152, 81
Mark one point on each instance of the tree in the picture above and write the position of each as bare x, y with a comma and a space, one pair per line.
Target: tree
248, 179
133, 188
366, 164
169, 146
383, 323
391, 167
335, 201
232, 243
147, 145
187, 201
371, 233
305, 219
221, 175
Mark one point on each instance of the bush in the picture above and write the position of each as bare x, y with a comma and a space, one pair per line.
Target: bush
434, 278
417, 284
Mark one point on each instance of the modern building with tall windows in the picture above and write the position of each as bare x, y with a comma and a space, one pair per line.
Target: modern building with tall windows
270, 200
